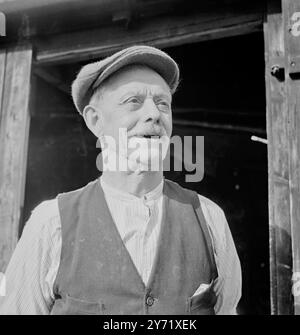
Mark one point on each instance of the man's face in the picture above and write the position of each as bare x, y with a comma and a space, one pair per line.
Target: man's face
139, 100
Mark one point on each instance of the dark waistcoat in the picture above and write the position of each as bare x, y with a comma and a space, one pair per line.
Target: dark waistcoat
97, 275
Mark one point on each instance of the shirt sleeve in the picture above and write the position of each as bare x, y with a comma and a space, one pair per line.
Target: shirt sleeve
31, 272
229, 282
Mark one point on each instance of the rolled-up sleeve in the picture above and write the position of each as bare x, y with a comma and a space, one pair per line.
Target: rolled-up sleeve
228, 286
33, 266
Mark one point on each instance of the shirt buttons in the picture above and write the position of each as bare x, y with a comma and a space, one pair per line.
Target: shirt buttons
150, 300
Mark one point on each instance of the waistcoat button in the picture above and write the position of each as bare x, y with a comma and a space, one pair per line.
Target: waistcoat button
150, 300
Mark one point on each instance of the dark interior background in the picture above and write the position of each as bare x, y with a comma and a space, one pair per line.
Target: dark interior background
221, 97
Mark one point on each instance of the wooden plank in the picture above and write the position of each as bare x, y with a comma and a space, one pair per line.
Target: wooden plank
20, 6
2, 77
15, 6
2, 72
278, 164
56, 16
14, 127
42, 18
292, 44
161, 32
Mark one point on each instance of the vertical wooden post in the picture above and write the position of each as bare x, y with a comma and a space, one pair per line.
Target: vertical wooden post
15, 72
278, 162
282, 42
291, 18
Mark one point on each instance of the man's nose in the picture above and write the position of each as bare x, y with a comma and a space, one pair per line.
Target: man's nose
151, 111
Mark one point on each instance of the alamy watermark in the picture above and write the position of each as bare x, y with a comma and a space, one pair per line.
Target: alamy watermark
295, 27
152, 153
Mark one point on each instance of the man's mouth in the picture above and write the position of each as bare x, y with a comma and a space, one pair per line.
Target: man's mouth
149, 136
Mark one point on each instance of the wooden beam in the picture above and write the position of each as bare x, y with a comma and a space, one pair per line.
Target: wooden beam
14, 126
161, 32
17, 6
278, 163
13, 7
29, 18
291, 15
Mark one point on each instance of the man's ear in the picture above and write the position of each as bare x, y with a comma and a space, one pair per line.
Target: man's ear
92, 118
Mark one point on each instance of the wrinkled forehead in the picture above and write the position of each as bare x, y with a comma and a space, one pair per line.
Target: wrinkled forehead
136, 77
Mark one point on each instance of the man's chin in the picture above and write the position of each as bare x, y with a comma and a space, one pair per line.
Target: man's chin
151, 163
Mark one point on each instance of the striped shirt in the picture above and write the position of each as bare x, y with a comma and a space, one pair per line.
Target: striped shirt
32, 270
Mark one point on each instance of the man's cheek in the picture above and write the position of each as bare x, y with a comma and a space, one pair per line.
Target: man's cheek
167, 123
128, 123
168, 130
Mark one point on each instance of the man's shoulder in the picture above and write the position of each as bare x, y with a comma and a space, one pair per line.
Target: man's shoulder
80, 191
48, 210
210, 205
45, 211
44, 221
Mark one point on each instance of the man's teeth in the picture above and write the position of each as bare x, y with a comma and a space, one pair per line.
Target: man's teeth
148, 136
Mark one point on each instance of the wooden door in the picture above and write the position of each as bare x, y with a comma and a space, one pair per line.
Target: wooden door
282, 54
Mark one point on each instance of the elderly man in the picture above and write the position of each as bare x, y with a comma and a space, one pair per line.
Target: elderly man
130, 242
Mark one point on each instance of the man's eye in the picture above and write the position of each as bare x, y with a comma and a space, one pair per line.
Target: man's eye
133, 100
164, 105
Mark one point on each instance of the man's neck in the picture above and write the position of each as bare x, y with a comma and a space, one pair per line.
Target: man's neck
137, 184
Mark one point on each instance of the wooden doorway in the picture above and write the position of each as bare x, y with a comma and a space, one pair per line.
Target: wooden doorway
215, 100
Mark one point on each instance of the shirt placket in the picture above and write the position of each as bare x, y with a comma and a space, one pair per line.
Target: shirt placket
147, 236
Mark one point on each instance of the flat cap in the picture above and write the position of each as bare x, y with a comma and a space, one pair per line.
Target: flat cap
92, 75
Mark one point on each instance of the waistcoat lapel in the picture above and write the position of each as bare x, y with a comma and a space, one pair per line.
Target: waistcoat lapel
116, 249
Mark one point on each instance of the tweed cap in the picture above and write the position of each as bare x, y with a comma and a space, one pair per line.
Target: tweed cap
92, 75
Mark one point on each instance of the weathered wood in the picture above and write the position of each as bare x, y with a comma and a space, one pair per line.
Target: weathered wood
161, 32
292, 46
278, 164
14, 125
15, 5
2, 71
43, 17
